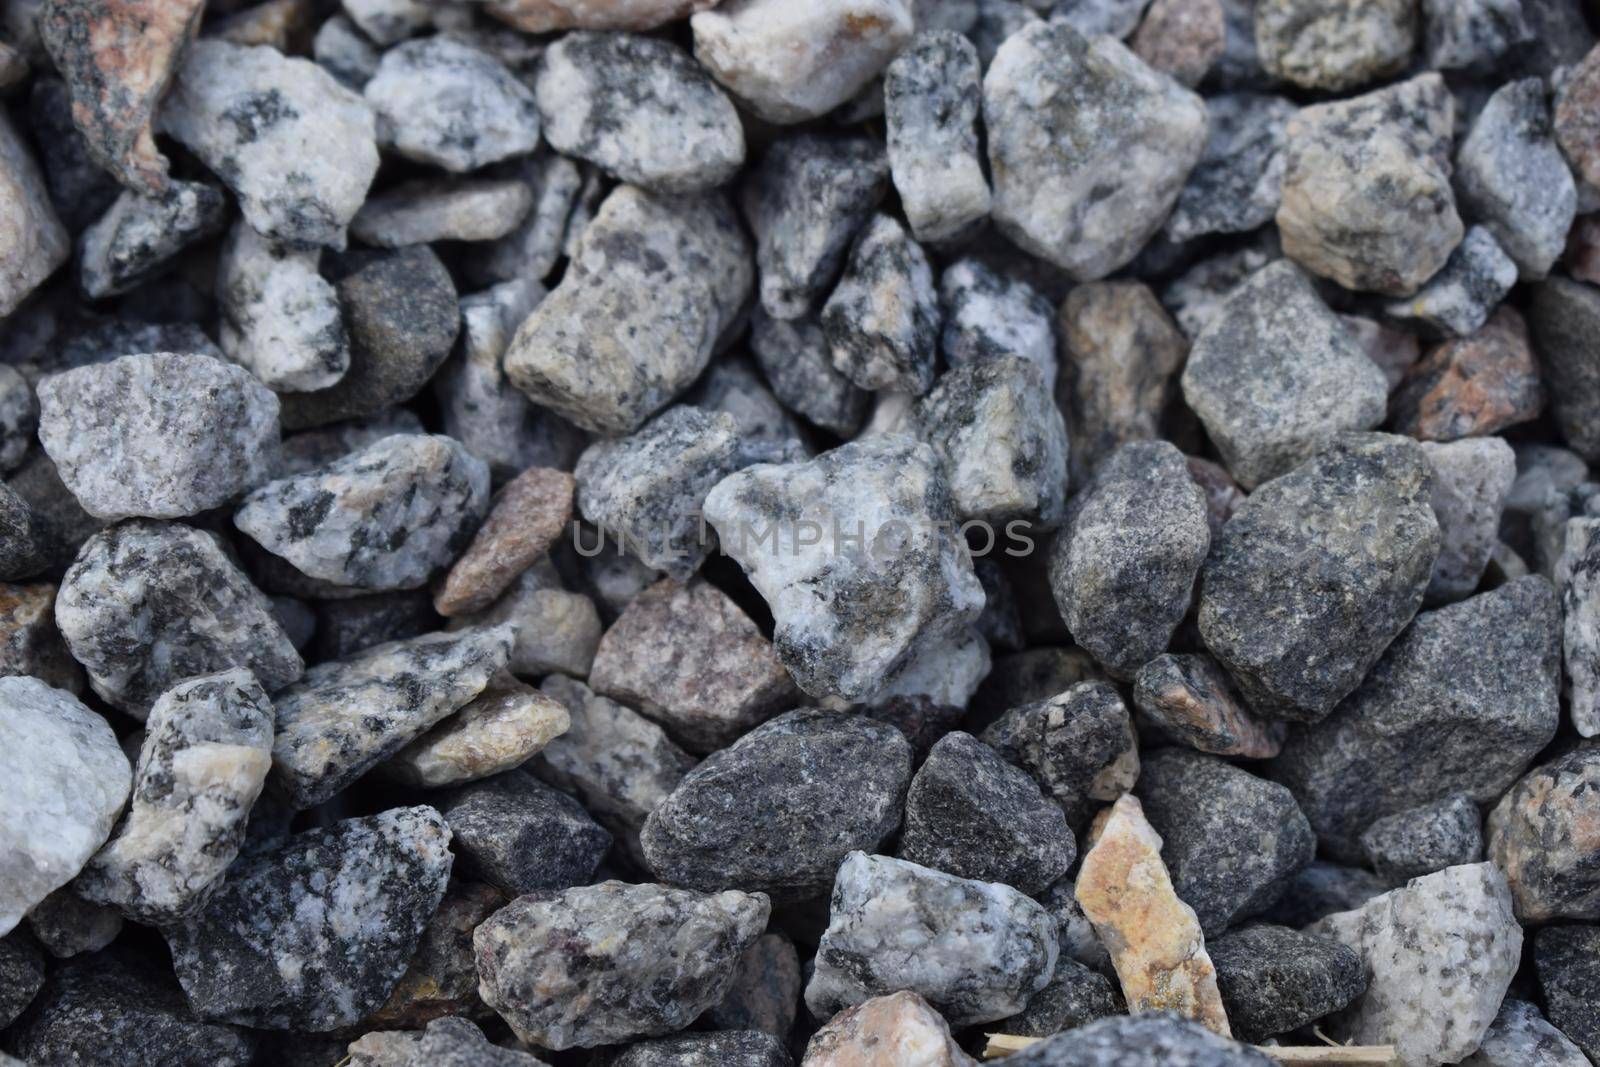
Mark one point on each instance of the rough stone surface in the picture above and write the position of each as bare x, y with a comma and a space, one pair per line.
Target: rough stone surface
989, 315
930, 104
30, 643
1235, 186
313, 934
1577, 119
1579, 572
804, 201
1069, 119
1332, 46
882, 321
1565, 316
1276, 375
1274, 980
1545, 835
502, 727
297, 148
138, 236
765, 992
557, 630
726, 1049
1439, 955
1428, 838
22, 970
778, 809
1472, 386
1078, 745
1567, 961
611, 962
1471, 478
62, 765
1520, 1035
164, 434
280, 317
148, 604
1181, 38
453, 210
344, 718
443, 102
1459, 299
442, 977
899, 1025
1366, 186
526, 518
1075, 997
1471, 35
975, 951
750, 47
1154, 938
445, 1043
383, 518
1460, 703
519, 835
1189, 700
1160, 1039
798, 364
205, 756
876, 503
33, 243
1347, 540
595, 354
67, 925
640, 109
1123, 571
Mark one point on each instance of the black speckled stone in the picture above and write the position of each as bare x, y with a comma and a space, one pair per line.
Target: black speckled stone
517, 833
1160, 1039
1320, 889
1427, 838
21, 974
732, 1048
1274, 979
1079, 746
1567, 960
1076, 996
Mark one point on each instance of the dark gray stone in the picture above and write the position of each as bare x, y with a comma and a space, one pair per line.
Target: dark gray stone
24, 538
882, 321
21, 974
1427, 838
1076, 996
1274, 980
1078, 745
765, 992
1564, 318
1567, 961
517, 833
795, 357
1235, 186
1159, 1039
733, 1048
930, 108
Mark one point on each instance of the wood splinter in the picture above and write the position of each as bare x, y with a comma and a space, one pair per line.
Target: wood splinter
1292, 1056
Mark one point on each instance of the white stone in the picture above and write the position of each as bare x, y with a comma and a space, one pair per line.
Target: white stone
930, 101
426, 211
280, 317
1471, 478
1578, 579
33, 243
1520, 1037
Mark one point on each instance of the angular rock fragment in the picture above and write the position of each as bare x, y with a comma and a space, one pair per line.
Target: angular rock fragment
1439, 955
1089, 148
971, 814
297, 148
798, 364
138, 236
1460, 703
502, 727
1460, 298
611, 962
1366, 185
451, 1042
557, 631
1000, 439
313, 934
595, 354
1565, 318
1156, 1039
63, 767
30, 643
1079, 746
1510, 176
749, 46
530, 250
345, 717
765, 991
442, 977
423, 211
541, 16
206, 752
385, 517
1274, 980
975, 951
930, 101
882, 321
19, 418
22, 971
1075, 997
1471, 478
1276, 375
1471, 386
526, 518
1182, 38
778, 809
148, 604
1567, 960
1520, 1035
33, 242
1236, 185
1425, 839
1188, 699
1123, 571
1578, 568
903, 1022
1577, 119
518, 834
1545, 835
25, 548
875, 506
446, 103
1470, 34
1333, 46
1155, 941
988, 315
1347, 542
165, 434
344, 51
280, 317
67, 925
640, 109
735, 388
805, 201
387, 22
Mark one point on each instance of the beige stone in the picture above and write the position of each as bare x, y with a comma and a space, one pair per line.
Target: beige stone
899, 1030
504, 726
1154, 938
524, 521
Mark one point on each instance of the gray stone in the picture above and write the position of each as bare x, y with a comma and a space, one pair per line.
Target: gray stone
971, 814
33, 243
1158, 1039
63, 767
280, 317
148, 604
1564, 317
1095, 18
930, 102
733, 386
529, 252
1540, 836
607, 963
1460, 298
25, 537
1194, 296
742, 1048
163, 434
1123, 571
1520, 1036
518, 834
1470, 480
882, 321
557, 631
344, 718
1275, 376
453, 210
19, 418
1069, 119
1188, 699
74, 180
1000, 440
388, 22
989, 315
1366, 185
1511, 176
1471, 34
204, 759
1322, 888
1424, 839
345, 52
67, 925
138, 236
449, 1042
502, 727
975, 951
804, 201
446, 103
383, 518
764, 994
777, 810
1439, 955
21, 975
1076, 996
640, 109
1567, 961
797, 362
1578, 570
1274, 980
1231, 841
1235, 186
596, 354
876, 505
1333, 46
1318, 571
1460, 703
313, 934
1079, 746
297, 148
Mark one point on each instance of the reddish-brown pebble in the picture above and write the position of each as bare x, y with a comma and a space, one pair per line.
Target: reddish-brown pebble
1473, 385
524, 521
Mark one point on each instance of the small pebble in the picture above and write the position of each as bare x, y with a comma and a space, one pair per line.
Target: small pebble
1274, 980
557, 631
1471, 478
526, 517
1471, 386
1424, 839
344, 51
988, 315
521, 836
1460, 298
882, 321
1471, 34
902, 1022
67, 925
1236, 185
1542, 835
1333, 46
1519, 1035
1567, 961
1076, 996
931, 95
1181, 38
502, 727
419, 212
530, 250
1078, 745
280, 317
138, 236
1577, 119
1578, 567
1189, 699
